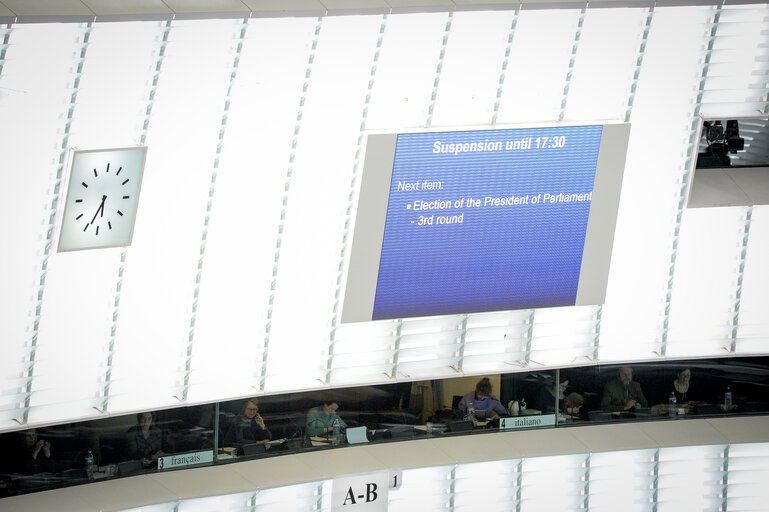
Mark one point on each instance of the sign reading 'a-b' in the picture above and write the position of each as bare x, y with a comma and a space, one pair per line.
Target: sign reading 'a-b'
360, 493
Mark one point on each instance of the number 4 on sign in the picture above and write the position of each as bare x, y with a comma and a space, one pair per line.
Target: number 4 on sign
396, 476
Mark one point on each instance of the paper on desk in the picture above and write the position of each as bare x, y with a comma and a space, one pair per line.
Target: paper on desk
357, 435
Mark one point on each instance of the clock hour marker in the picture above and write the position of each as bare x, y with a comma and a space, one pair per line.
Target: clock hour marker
109, 224
97, 230
85, 185
78, 217
107, 167
120, 213
95, 173
118, 171
126, 181
125, 197
86, 227
78, 200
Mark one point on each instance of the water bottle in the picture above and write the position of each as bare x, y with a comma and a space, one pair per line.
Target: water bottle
89, 464
728, 399
523, 405
336, 437
513, 408
672, 404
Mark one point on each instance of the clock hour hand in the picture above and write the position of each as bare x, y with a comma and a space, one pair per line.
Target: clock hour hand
100, 209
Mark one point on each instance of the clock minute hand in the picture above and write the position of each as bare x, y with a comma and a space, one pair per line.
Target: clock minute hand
99, 209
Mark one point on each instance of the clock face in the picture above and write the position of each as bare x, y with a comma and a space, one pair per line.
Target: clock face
102, 199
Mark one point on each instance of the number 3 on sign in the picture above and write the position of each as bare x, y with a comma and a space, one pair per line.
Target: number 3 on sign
396, 476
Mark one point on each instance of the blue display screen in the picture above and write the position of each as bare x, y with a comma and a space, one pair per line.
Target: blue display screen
486, 220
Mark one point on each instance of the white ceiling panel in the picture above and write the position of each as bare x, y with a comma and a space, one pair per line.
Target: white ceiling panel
206, 5
46, 7
105, 7
284, 5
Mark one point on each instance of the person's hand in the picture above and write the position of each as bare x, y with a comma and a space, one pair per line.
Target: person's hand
494, 415
47, 449
158, 454
259, 421
38, 446
630, 404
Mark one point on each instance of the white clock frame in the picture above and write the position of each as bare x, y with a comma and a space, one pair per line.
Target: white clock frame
103, 187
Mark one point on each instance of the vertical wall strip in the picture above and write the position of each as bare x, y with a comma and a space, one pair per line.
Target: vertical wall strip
4, 42
319, 493
396, 348
655, 480
596, 343
586, 479
639, 63
209, 204
529, 337
725, 480
740, 276
286, 190
518, 485
503, 73
439, 69
49, 228
574, 48
251, 506
683, 188
462, 342
121, 269
351, 200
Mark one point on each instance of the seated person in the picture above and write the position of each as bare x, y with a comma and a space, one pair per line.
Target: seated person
144, 440
547, 396
249, 426
320, 420
681, 386
482, 400
33, 454
571, 406
622, 393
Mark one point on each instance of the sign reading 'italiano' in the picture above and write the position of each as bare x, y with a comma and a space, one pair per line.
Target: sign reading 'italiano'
516, 422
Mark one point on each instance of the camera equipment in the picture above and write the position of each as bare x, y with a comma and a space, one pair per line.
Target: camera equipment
720, 142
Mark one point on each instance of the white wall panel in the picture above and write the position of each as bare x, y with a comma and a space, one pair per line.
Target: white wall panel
161, 266
538, 65
600, 83
81, 286
753, 330
322, 170
622, 480
240, 250
406, 71
748, 473
538, 491
633, 319
704, 290
472, 64
39, 70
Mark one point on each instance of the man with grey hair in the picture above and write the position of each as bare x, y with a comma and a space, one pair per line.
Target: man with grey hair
622, 393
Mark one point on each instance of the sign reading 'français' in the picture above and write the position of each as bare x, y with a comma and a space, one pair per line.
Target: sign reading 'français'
185, 459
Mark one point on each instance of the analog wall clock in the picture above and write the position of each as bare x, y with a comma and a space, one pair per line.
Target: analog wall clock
102, 198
